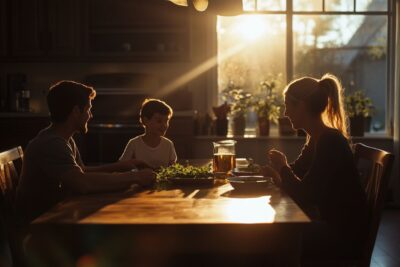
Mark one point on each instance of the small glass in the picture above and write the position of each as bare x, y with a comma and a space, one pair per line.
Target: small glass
224, 158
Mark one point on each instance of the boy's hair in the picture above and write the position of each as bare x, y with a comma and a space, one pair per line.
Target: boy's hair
150, 106
64, 96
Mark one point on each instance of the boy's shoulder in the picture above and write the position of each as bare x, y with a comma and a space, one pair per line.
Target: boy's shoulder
166, 140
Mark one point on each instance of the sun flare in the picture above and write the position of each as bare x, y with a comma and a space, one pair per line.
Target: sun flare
250, 27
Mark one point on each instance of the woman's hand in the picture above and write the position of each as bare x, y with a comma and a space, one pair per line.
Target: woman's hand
268, 171
277, 159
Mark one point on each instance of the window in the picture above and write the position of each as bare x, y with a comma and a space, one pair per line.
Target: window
286, 39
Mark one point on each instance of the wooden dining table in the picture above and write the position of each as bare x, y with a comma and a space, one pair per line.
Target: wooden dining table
174, 225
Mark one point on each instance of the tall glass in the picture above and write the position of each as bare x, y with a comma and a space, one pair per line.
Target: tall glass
224, 158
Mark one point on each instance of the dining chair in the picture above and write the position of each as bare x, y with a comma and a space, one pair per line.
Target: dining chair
374, 166
10, 167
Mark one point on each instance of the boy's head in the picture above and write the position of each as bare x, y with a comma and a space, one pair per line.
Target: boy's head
155, 115
64, 96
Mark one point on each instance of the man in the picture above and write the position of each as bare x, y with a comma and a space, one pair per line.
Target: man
52, 167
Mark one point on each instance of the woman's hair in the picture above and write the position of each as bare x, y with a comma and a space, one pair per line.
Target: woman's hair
64, 96
150, 106
322, 97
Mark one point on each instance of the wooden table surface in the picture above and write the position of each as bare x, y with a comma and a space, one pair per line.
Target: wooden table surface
185, 205
222, 225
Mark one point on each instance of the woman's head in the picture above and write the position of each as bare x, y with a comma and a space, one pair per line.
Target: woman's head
312, 97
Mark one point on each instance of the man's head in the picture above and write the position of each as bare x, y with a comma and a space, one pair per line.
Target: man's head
69, 98
155, 115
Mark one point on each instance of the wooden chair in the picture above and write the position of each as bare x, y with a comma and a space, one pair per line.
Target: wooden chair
374, 166
375, 178
10, 167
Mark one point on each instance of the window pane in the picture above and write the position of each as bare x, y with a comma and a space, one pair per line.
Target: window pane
372, 5
249, 5
352, 47
307, 5
271, 5
251, 49
339, 5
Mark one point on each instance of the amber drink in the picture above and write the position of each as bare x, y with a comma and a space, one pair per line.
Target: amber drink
223, 163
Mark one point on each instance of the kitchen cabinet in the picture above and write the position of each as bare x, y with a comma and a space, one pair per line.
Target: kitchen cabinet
3, 28
134, 30
44, 28
17, 129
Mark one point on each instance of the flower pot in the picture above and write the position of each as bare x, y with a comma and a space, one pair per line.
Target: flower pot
357, 125
239, 125
285, 127
221, 127
367, 123
263, 126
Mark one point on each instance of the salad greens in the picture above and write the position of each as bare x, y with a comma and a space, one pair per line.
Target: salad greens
179, 170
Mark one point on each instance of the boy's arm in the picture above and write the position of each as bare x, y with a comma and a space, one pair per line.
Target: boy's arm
173, 157
94, 182
119, 166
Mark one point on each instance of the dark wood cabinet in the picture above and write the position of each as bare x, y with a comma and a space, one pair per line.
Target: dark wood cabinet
19, 130
137, 30
3, 28
44, 28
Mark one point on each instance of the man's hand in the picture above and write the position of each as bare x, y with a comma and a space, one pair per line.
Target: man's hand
127, 165
144, 177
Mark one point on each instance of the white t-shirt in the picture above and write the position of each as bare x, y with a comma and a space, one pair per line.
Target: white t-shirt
155, 157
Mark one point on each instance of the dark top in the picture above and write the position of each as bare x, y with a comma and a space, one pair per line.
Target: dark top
325, 182
47, 157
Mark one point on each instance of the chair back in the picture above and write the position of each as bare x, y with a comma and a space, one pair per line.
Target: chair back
375, 166
10, 167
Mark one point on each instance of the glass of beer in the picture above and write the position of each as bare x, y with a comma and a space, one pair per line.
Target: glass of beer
224, 158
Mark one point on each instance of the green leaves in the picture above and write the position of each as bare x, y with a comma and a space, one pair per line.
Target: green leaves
358, 104
238, 99
179, 170
268, 103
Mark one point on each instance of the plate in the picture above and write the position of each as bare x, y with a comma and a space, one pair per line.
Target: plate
192, 181
250, 183
244, 172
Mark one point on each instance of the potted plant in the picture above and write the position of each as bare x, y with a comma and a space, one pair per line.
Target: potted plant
221, 121
267, 106
359, 108
240, 103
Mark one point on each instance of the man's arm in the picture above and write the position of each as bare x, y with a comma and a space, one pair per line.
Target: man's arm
92, 182
119, 166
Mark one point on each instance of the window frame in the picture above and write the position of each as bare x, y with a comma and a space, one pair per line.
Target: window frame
390, 45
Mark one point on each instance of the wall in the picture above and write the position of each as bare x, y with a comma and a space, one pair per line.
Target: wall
168, 75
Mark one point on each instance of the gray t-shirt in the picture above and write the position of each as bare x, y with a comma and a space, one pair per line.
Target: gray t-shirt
47, 157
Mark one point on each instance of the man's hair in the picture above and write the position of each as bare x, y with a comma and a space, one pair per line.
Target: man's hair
150, 106
64, 96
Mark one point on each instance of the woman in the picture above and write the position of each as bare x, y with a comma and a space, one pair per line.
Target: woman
323, 180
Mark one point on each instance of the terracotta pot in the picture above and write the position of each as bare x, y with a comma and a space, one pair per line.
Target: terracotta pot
263, 126
357, 125
239, 126
221, 127
367, 123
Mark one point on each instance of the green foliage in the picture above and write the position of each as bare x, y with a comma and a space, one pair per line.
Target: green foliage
179, 170
267, 103
238, 99
358, 104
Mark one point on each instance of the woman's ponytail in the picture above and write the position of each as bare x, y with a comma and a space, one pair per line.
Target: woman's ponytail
334, 115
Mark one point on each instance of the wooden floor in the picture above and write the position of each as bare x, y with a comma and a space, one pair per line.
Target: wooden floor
387, 247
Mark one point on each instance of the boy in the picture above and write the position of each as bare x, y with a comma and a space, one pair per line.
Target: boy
152, 148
